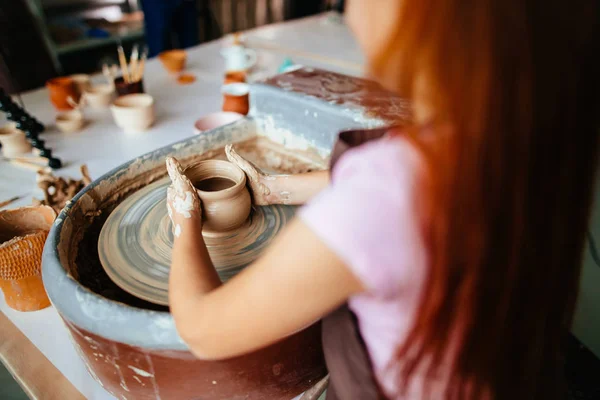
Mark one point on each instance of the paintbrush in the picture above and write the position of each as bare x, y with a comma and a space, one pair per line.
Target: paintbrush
133, 62
123, 62
140, 71
10, 201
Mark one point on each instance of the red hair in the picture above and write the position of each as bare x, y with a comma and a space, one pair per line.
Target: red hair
513, 86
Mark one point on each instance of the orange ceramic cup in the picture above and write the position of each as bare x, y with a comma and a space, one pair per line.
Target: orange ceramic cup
235, 77
173, 60
236, 98
60, 89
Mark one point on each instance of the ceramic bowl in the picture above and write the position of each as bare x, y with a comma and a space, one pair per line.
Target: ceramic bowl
236, 98
82, 82
134, 112
221, 186
14, 143
215, 120
60, 90
173, 60
99, 96
23, 233
70, 121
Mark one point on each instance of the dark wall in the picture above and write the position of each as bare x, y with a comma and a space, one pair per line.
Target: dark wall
25, 62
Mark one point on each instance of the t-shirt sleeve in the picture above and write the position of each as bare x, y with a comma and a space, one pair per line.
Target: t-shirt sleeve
367, 215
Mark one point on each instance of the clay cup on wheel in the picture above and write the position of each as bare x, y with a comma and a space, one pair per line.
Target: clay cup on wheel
221, 186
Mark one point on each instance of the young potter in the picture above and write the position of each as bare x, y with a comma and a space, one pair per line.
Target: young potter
443, 258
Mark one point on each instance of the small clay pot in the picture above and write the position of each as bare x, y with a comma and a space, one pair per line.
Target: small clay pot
221, 186
173, 60
134, 112
235, 77
14, 142
236, 98
82, 82
70, 121
60, 90
23, 233
99, 96
124, 88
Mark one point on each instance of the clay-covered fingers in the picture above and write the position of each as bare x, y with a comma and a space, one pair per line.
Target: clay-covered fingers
256, 179
180, 182
182, 198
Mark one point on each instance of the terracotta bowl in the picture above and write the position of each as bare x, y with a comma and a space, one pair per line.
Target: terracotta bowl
235, 77
215, 120
221, 186
23, 233
60, 90
173, 60
14, 142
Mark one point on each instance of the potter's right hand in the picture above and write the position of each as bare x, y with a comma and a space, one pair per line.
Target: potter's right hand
258, 181
183, 202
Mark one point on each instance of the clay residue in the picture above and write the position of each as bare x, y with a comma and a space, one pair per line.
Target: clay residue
356, 94
82, 227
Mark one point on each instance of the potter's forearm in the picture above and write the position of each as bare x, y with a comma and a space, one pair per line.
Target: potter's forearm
297, 189
192, 272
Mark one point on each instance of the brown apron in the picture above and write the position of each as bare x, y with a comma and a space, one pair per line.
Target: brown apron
350, 371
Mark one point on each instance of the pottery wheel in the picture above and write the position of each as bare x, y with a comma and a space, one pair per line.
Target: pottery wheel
136, 241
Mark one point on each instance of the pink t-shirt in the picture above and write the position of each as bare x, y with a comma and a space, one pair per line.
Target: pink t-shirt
367, 216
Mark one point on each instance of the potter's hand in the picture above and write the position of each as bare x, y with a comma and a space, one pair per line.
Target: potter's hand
183, 202
258, 181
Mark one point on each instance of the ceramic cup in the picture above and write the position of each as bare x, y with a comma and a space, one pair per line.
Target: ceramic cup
235, 77
82, 82
60, 89
236, 98
124, 88
14, 142
70, 121
23, 233
134, 112
99, 96
221, 186
173, 60
238, 58
215, 120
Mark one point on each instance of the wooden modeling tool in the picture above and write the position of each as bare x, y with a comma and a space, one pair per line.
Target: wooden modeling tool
123, 62
10, 201
34, 163
140, 69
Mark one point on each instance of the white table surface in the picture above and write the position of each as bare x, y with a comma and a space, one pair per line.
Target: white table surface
103, 146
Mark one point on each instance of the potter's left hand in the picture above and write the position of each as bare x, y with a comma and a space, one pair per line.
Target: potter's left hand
183, 202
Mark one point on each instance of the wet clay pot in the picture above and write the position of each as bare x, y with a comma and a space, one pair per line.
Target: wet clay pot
60, 90
221, 186
23, 233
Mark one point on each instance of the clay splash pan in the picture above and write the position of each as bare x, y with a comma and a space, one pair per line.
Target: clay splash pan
123, 219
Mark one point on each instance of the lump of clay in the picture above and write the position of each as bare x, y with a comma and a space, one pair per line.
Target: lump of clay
57, 190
